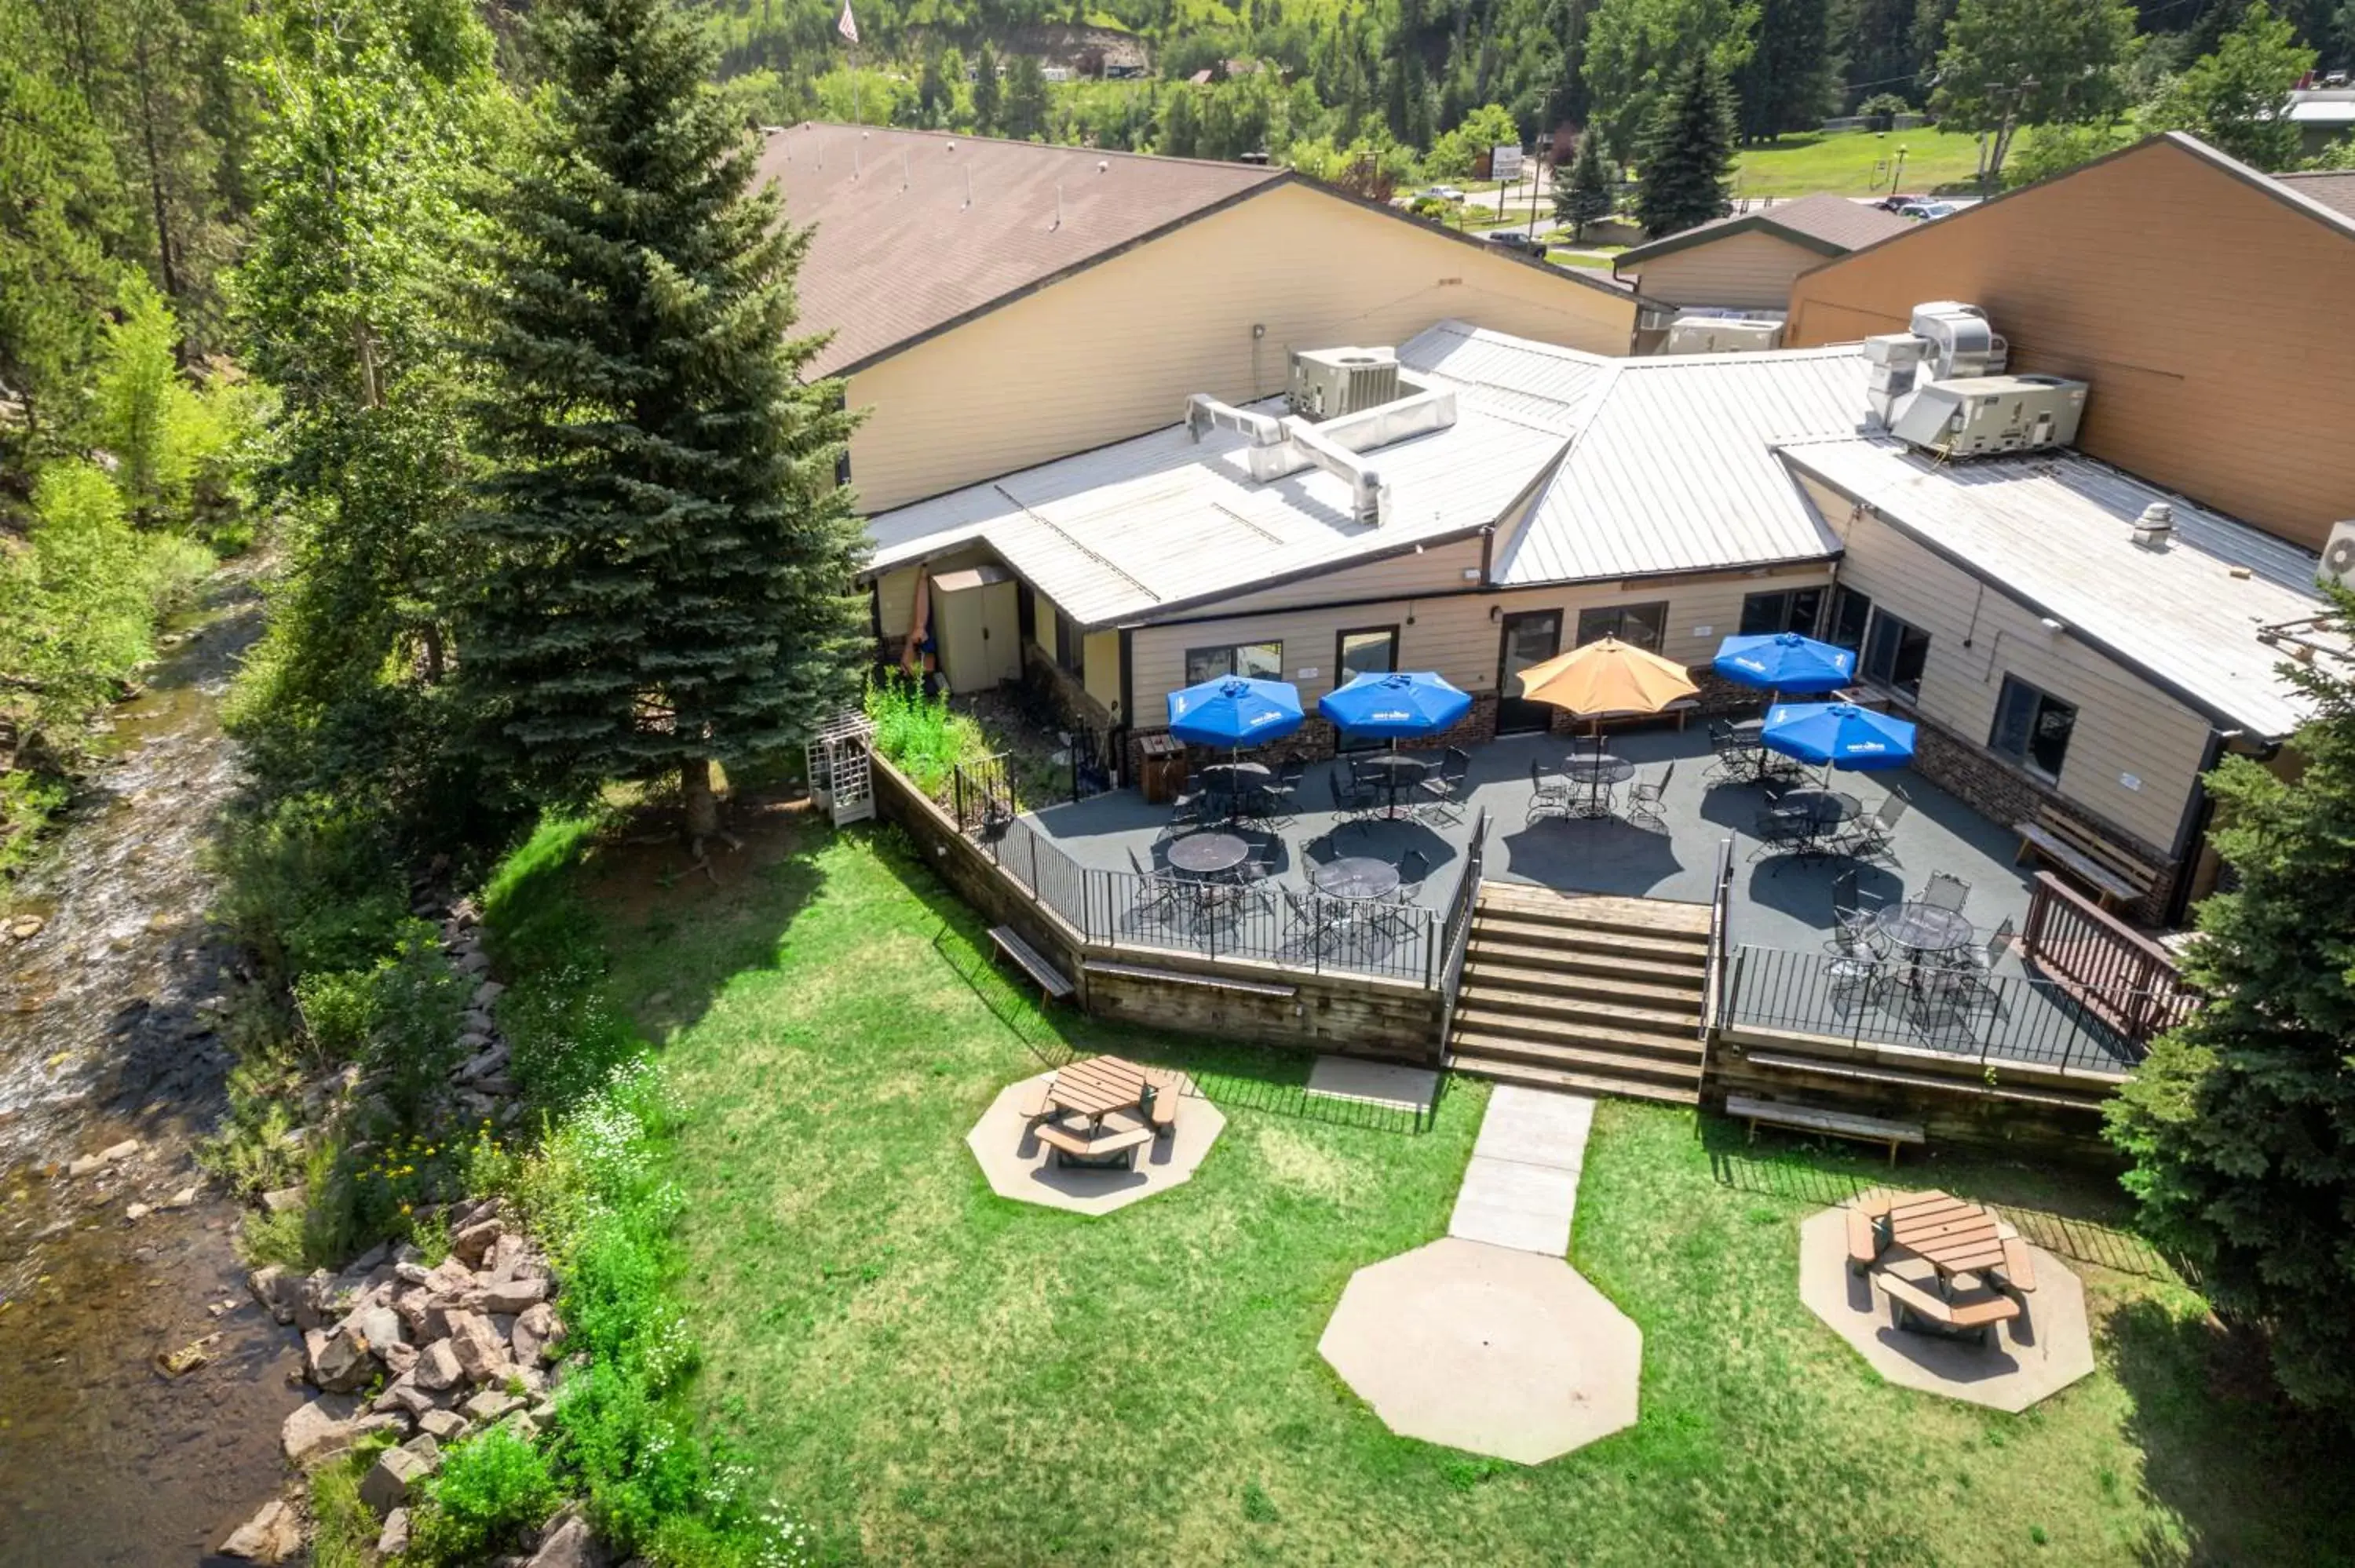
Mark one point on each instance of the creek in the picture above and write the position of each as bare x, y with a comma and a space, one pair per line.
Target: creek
108, 1016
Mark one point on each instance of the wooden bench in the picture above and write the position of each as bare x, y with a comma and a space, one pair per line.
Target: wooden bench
1837, 1124
1051, 984
2116, 875
1867, 1227
2018, 1269
1167, 1088
1113, 1141
1975, 1312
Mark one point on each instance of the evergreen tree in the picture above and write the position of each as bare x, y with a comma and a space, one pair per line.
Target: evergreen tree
1687, 152
1586, 195
985, 90
670, 555
1786, 83
2242, 1124
1566, 93
1025, 98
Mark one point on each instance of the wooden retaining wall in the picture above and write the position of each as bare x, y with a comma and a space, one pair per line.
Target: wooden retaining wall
1231, 999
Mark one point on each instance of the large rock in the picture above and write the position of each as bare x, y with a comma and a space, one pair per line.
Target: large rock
567, 1544
438, 1367
449, 1277
444, 1426
393, 1540
512, 1295
378, 1326
470, 1243
386, 1486
275, 1289
535, 1334
480, 1353
272, 1535
340, 1362
326, 1426
488, 1405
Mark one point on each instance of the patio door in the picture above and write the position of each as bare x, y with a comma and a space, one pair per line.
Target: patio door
1530, 638
1371, 651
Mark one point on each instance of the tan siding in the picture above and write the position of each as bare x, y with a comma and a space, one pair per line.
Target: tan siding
1100, 655
1439, 570
1113, 351
1748, 271
2125, 725
1454, 636
2210, 318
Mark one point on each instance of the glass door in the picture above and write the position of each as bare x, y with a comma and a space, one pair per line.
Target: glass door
1371, 651
1530, 638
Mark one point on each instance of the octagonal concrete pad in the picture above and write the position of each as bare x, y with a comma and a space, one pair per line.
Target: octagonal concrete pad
1486, 1348
2034, 1356
1020, 1167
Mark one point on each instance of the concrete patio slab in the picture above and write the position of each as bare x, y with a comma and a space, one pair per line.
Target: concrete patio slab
1380, 1083
1020, 1167
1486, 1348
2034, 1357
1507, 1204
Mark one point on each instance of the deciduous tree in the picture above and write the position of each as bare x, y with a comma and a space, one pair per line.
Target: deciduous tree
2009, 63
2237, 99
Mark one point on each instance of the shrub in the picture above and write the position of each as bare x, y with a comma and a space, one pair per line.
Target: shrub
176, 568
311, 886
413, 1041
491, 1488
918, 733
338, 1008
343, 1528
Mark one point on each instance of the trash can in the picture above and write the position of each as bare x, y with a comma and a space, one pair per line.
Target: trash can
1164, 768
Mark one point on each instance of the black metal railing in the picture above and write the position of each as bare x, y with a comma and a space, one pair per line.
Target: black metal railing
1455, 930
1720, 939
1991, 1018
981, 797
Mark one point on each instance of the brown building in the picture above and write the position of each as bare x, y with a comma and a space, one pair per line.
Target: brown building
1747, 262
995, 304
2206, 304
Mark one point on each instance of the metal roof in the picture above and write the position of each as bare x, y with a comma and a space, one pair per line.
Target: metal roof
1673, 468
1144, 527
2054, 530
1833, 225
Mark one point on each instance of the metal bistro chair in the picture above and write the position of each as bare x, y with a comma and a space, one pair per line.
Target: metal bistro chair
1868, 838
1350, 801
1280, 794
1946, 891
1645, 799
1783, 833
1445, 787
1852, 920
1157, 893
1311, 918
1975, 969
1396, 914
1548, 797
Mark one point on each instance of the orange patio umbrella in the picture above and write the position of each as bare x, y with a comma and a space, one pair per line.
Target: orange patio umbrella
1607, 677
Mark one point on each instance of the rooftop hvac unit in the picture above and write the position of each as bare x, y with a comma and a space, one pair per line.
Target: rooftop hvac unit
1724, 334
1329, 382
2338, 554
1984, 415
1960, 341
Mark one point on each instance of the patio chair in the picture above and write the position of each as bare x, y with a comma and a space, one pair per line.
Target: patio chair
1852, 922
1645, 799
1782, 833
1871, 837
1186, 810
1156, 894
1946, 891
1445, 789
1310, 918
1352, 800
1548, 797
1857, 972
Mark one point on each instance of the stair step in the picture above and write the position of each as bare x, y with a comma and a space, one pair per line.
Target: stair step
1487, 996
1594, 986
1590, 1059
1510, 1072
1642, 917
1673, 1044
1617, 948
1676, 945
1572, 960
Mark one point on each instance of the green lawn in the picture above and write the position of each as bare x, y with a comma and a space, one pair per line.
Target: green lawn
1857, 163
927, 1372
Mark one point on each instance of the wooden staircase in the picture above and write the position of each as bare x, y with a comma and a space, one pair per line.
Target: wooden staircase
1593, 994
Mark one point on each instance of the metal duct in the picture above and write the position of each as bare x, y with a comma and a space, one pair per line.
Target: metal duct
1205, 413
1366, 492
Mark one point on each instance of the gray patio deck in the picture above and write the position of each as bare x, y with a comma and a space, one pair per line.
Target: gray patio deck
1778, 901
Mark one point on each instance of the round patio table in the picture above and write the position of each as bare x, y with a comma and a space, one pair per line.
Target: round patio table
1397, 771
1825, 810
1355, 876
1922, 929
1236, 781
1599, 770
1208, 855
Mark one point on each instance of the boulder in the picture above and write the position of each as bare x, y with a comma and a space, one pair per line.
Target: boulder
444, 1426
275, 1289
491, 1403
272, 1535
488, 993
438, 1367
387, 1485
567, 1543
398, 1358
409, 1272
514, 1296
339, 1361
279, 1200
535, 1334
136, 1211
424, 1446
470, 1243
379, 1326
480, 1351
393, 1540
416, 1402
317, 1430
508, 1256
449, 1277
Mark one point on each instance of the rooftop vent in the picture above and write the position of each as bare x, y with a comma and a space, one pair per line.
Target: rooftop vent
1326, 383
2155, 527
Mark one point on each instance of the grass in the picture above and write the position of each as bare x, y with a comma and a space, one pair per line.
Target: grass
1857, 163
926, 1373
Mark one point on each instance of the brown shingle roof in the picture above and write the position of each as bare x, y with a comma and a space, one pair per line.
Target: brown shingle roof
2334, 188
900, 252
1831, 223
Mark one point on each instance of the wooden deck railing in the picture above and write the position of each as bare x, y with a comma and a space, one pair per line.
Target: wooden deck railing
2109, 966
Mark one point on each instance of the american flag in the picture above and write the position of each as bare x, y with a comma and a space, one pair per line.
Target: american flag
849, 25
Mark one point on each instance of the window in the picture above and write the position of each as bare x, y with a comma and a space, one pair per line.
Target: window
1791, 609
1642, 625
1370, 652
1260, 661
1894, 652
2033, 728
1071, 645
1851, 610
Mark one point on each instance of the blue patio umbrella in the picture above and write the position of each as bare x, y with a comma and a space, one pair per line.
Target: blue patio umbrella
1784, 662
1234, 711
1840, 735
1398, 706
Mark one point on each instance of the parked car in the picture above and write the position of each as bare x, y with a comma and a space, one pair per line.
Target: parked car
1922, 211
1514, 239
1440, 193
1893, 203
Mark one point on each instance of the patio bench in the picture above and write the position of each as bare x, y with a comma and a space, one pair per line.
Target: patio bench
1868, 1217
1113, 1143
2116, 875
1038, 1101
1050, 980
2018, 1269
1975, 1311
1837, 1124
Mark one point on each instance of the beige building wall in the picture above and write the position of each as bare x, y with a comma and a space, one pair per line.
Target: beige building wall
2210, 317
2135, 752
1113, 352
1457, 634
1747, 272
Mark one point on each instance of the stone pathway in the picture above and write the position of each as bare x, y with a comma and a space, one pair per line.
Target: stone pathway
1522, 1185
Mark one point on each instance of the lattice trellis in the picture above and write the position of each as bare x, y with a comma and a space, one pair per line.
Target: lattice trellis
840, 777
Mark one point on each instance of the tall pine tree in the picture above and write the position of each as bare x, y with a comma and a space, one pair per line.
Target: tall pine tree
671, 557
1688, 152
1586, 194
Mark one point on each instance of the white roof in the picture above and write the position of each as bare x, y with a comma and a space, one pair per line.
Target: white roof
2055, 530
2324, 107
1673, 469
1141, 527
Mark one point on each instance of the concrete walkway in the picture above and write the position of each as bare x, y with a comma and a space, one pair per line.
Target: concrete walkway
1521, 1187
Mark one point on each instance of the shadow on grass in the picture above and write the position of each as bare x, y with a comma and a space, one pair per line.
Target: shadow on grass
2216, 1432
2051, 1213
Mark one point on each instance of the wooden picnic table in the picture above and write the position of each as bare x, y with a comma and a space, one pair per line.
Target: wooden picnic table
1951, 1235
1098, 1087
